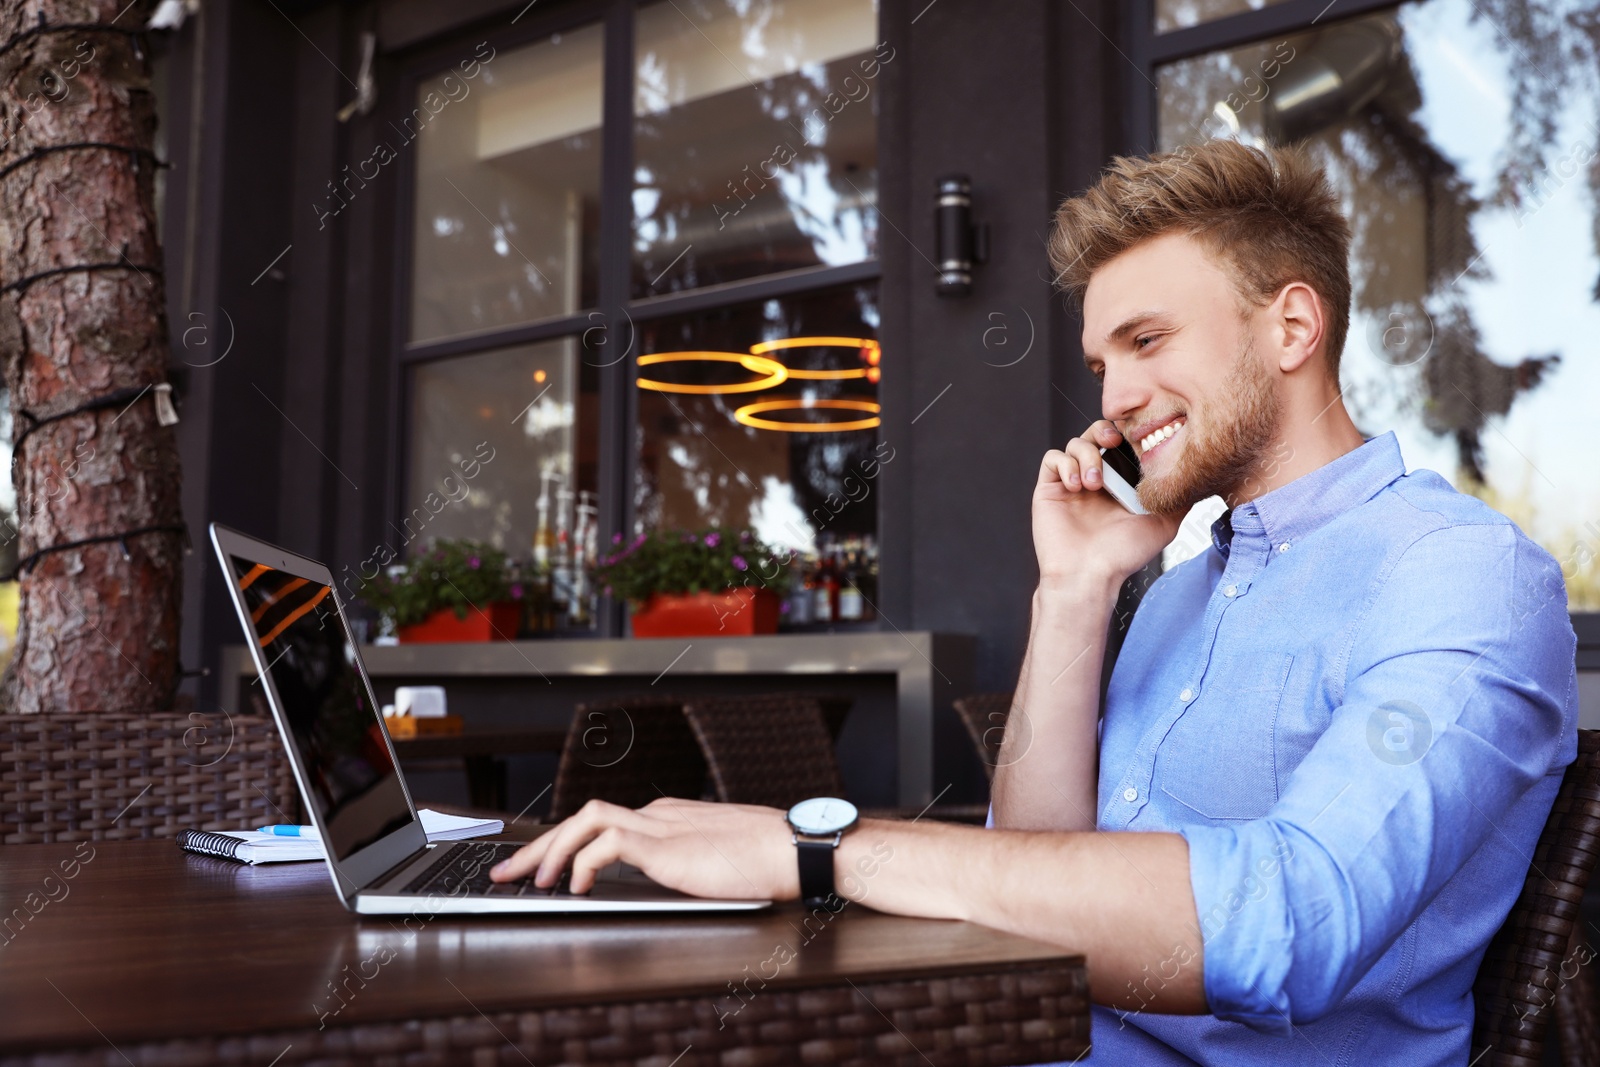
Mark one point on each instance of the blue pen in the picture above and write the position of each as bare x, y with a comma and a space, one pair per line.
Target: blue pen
286, 830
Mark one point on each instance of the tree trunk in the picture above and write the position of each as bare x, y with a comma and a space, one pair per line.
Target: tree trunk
98, 622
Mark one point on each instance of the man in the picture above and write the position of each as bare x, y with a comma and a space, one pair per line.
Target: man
1330, 741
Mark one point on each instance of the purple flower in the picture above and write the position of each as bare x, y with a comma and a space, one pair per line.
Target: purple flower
744, 535
616, 538
474, 562
713, 539
516, 592
606, 590
688, 538
739, 564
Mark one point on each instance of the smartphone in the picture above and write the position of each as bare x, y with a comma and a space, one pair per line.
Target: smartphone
1120, 473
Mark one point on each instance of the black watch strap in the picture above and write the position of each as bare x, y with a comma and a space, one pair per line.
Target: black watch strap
816, 873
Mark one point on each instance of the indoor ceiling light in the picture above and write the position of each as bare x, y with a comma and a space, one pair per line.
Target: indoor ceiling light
869, 349
774, 373
748, 415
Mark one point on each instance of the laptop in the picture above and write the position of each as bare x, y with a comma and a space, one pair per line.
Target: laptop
349, 779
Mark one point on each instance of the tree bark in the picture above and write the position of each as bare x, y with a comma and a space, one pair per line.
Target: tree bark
98, 623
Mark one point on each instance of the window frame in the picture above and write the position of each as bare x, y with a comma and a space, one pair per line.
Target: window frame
611, 320
1147, 51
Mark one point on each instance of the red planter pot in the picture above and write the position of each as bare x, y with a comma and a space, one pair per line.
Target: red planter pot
736, 613
496, 622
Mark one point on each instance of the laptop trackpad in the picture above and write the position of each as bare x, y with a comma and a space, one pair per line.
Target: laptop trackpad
622, 881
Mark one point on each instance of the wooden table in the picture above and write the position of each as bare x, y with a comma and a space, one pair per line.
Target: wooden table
149, 955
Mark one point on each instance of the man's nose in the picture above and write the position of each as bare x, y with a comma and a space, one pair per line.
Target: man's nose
1122, 393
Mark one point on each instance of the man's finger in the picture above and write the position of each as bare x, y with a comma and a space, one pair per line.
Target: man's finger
523, 860
1102, 434
1087, 457
551, 851
613, 844
1058, 468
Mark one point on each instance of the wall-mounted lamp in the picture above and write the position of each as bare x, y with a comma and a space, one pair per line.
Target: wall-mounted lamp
960, 243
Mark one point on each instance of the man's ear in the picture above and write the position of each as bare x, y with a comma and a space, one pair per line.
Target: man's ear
1299, 326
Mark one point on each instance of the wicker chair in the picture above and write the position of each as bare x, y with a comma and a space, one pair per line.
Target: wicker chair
984, 715
106, 776
1538, 965
769, 749
835, 707
628, 752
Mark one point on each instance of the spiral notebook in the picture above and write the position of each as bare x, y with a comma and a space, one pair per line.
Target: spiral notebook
253, 846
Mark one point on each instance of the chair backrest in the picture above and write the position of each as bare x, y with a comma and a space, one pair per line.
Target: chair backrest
835, 707
771, 749
1531, 972
985, 715
627, 751
106, 776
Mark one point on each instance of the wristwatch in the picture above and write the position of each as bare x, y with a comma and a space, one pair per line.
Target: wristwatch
819, 824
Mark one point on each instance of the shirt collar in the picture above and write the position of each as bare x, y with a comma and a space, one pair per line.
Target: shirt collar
1293, 511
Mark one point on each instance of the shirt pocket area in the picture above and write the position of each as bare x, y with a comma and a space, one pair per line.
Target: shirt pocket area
1217, 759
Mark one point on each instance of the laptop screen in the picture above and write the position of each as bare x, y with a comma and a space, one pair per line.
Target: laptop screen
339, 734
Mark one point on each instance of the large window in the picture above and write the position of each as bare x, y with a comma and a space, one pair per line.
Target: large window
720, 446
561, 337
755, 139
1461, 145
508, 187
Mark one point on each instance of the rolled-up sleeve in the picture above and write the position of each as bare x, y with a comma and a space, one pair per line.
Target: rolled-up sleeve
1458, 701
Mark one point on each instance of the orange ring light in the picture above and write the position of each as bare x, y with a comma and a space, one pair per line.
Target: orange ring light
869, 349
747, 415
775, 373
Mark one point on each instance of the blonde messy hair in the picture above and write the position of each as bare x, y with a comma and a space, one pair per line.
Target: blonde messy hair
1270, 214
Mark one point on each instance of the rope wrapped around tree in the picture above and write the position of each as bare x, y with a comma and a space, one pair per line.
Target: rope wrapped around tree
83, 319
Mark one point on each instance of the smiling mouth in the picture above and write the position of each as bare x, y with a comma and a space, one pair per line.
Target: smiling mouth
1158, 437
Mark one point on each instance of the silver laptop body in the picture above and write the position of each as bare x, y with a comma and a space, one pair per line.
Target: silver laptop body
344, 762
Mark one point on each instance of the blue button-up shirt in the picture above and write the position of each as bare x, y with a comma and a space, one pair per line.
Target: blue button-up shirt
1356, 707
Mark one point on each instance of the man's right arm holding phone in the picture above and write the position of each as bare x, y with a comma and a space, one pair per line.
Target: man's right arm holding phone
1088, 545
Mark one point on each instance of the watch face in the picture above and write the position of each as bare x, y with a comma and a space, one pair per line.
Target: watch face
822, 815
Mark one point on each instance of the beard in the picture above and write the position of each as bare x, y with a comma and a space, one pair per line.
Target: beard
1230, 445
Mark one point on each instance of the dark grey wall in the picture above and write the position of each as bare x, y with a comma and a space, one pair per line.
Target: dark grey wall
1015, 96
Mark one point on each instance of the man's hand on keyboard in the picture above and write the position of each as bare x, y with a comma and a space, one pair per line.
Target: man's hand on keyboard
729, 851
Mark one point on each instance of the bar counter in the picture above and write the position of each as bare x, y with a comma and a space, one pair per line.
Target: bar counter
902, 726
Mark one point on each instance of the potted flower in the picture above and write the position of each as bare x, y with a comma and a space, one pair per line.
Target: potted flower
696, 583
455, 591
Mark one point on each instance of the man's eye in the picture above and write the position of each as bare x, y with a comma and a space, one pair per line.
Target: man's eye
1142, 341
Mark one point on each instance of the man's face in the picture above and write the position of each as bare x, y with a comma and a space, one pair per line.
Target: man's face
1167, 331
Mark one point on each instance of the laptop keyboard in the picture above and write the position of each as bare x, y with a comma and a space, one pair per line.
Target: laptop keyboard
463, 870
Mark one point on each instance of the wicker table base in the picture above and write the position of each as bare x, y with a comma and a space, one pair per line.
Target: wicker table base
975, 1021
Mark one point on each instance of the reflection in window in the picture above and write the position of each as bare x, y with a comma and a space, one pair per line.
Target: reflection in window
755, 138
503, 446
1181, 14
508, 180
1459, 150
700, 464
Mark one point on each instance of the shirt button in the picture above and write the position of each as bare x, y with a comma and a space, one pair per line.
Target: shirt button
1187, 694
1284, 547
1130, 794
1231, 591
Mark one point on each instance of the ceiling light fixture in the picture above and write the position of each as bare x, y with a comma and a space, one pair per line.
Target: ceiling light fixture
747, 415
774, 373
871, 352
